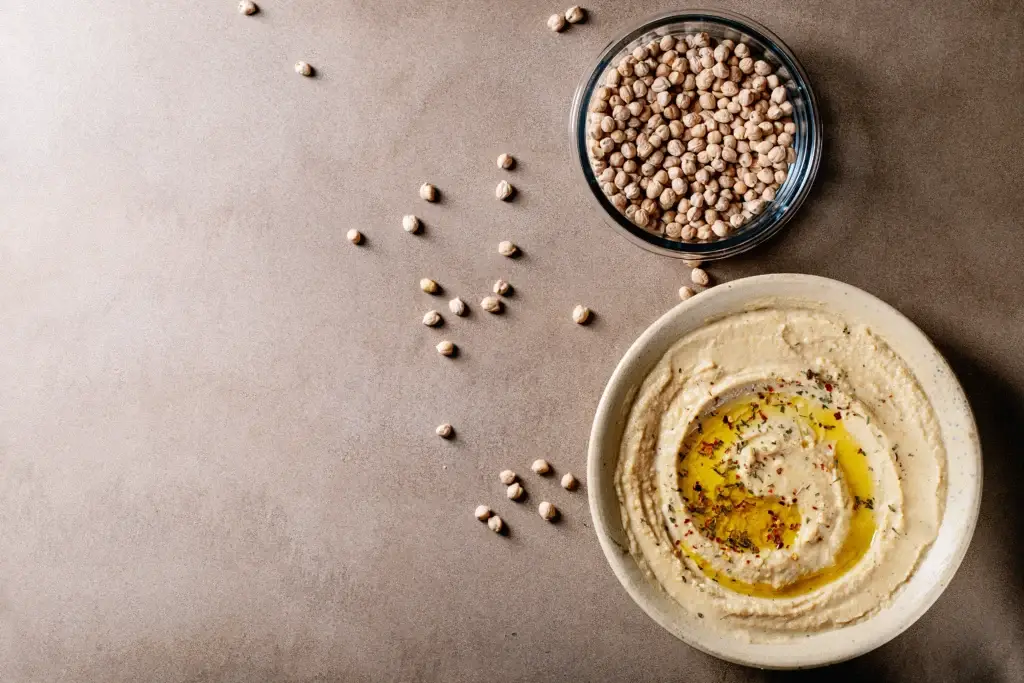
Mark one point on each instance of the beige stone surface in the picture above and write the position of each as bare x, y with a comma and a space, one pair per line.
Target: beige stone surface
217, 447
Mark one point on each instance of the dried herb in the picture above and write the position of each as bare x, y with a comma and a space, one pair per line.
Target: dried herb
869, 503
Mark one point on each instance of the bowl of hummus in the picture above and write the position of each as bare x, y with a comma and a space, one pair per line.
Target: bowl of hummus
784, 472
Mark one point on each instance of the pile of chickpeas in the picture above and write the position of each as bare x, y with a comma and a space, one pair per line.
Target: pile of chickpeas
689, 137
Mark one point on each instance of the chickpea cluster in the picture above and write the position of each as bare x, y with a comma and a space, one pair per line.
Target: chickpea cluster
689, 137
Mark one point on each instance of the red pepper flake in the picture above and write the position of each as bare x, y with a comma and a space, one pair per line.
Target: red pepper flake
778, 471
838, 415
828, 387
771, 390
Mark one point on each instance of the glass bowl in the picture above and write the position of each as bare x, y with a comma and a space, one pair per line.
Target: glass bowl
807, 141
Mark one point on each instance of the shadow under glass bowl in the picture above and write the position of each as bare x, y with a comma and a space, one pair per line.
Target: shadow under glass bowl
807, 141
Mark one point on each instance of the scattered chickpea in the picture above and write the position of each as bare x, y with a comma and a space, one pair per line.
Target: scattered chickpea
569, 482
507, 477
491, 304
457, 306
411, 224
502, 287
428, 192
547, 511
556, 22
699, 276
506, 161
581, 315
515, 491
432, 319
429, 286
541, 466
248, 8
575, 15
507, 248
495, 524
685, 293
354, 236
483, 513
445, 431
504, 190
446, 348
303, 69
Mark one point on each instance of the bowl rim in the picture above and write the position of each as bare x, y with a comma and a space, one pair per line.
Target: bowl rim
938, 563
767, 224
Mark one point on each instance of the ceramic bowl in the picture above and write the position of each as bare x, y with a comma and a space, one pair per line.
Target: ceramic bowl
959, 434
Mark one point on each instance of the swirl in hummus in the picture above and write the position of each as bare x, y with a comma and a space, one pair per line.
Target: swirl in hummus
781, 472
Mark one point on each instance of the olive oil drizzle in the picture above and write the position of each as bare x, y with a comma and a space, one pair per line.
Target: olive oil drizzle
719, 507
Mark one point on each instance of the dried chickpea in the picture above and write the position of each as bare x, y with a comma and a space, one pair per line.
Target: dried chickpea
491, 304
556, 22
581, 315
547, 511
411, 224
575, 15
676, 124
428, 192
504, 190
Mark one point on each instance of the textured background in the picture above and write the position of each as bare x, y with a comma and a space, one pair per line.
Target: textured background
217, 459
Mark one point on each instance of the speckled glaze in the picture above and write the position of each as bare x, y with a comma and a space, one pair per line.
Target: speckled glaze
964, 470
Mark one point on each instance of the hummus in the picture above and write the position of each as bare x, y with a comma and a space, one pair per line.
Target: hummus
781, 472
